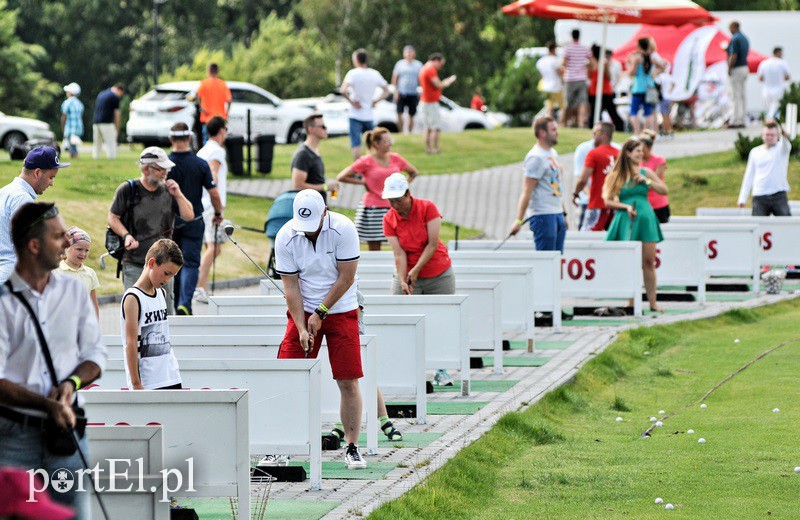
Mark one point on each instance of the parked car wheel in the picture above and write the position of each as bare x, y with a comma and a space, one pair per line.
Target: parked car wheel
392, 127
297, 133
12, 139
474, 126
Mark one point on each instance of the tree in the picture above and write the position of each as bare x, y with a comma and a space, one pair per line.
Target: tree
514, 91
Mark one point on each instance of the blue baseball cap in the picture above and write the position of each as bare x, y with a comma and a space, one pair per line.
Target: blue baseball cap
44, 158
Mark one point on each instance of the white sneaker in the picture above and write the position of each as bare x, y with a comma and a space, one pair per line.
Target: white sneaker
200, 295
274, 460
352, 458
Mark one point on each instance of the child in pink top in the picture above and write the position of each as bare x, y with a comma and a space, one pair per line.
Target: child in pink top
371, 171
658, 164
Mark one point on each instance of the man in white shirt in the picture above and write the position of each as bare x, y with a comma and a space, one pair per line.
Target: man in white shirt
316, 254
38, 173
551, 69
774, 74
765, 175
35, 293
213, 152
358, 88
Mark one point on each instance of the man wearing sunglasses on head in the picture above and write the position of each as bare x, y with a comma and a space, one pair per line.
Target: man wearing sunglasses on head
143, 211
38, 173
308, 170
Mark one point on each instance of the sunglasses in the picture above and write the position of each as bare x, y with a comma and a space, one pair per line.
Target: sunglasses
321, 126
47, 215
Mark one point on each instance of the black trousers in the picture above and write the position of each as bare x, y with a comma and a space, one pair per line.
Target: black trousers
776, 204
606, 104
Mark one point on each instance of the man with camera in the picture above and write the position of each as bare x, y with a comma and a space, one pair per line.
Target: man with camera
50, 347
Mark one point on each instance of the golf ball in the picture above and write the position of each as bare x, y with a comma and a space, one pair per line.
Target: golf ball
736, 340
690, 431
775, 410
704, 406
661, 412
701, 440
797, 469
659, 424
669, 507
619, 419
659, 500
653, 419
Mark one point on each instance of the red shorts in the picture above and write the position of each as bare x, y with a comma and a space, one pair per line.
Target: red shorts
344, 345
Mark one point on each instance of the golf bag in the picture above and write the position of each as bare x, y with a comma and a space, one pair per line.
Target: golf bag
279, 214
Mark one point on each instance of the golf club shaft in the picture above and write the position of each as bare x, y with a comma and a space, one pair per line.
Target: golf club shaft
214, 260
246, 228
74, 437
510, 235
255, 264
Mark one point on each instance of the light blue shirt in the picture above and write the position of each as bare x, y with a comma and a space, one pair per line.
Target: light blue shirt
12, 196
407, 76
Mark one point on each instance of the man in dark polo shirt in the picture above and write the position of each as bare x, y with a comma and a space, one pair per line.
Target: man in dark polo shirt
105, 127
308, 170
192, 175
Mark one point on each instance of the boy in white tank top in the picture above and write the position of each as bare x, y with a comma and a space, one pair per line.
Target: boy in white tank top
150, 363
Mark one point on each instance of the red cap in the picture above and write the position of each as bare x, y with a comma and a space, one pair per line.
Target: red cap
16, 484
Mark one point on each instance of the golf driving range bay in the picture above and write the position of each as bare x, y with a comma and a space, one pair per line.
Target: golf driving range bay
569, 456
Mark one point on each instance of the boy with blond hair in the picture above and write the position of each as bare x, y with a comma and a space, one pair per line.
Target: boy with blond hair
150, 363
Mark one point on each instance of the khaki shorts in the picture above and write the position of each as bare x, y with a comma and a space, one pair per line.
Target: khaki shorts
553, 99
445, 283
431, 116
208, 235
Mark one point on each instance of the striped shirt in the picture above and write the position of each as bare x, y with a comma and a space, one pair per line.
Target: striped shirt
73, 109
576, 62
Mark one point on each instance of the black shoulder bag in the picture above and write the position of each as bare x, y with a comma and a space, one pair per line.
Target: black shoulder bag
115, 245
57, 440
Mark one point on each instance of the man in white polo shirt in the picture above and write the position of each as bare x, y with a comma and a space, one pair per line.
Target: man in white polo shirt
765, 175
316, 254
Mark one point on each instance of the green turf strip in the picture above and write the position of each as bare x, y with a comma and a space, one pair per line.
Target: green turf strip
337, 469
597, 322
410, 440
449, 407
728, 297
220, 508
542, 345
483, 385
682, 310
518, 361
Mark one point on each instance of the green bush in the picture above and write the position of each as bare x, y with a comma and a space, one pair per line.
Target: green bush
744, 144
792, 95
514, 91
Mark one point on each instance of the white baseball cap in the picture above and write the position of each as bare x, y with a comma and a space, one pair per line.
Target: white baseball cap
308, 208
155, 155
73, 88
395, 186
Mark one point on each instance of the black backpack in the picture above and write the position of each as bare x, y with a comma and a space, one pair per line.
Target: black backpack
114, 243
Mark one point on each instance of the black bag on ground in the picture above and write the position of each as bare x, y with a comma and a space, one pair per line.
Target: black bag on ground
114, 243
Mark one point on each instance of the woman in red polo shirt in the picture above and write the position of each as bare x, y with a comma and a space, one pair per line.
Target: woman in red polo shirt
412, 229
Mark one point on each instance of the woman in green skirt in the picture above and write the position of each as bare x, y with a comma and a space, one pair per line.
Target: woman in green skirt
625, 190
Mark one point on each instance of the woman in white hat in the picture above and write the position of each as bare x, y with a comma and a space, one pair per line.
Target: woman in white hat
412, 228
72, 118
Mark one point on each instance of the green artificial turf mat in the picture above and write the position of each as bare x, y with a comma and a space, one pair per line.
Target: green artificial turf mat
542, 345
220, 508
518, 361
597, 322
484, 385
670, 311
449, 407
337, 469
728, 297
410, 440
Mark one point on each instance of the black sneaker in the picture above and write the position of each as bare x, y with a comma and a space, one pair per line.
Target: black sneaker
183, 310
352, 458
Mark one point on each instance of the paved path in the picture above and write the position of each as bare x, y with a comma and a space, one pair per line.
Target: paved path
486, 199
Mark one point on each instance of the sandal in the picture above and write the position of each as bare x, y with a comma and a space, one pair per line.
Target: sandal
391, 432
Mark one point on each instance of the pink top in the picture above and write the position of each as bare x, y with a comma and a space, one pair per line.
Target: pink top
656, 199
374, 175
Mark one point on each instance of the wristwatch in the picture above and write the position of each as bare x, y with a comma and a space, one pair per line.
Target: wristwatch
322, 314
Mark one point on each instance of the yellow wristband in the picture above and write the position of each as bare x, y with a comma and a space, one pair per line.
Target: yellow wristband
323, 308
520, 222
77, 381
324, 187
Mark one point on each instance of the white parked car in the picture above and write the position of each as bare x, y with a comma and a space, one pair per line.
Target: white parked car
17, 130
455, 118
153, 114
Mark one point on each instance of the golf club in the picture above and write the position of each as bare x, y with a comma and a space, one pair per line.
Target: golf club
102, 260
229, 231
74, 438
247, 228
510, 235
214, 261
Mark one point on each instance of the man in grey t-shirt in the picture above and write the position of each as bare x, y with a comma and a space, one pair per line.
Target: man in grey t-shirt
405, 79
541, 190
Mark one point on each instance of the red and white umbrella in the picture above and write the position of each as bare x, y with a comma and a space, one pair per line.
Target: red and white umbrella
652, 12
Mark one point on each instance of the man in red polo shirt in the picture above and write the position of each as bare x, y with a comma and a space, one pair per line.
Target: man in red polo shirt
598, 164
432, 88
412, 228
214, 97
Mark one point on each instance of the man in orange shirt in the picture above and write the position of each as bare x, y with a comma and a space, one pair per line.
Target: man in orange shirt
429, 100
214, 98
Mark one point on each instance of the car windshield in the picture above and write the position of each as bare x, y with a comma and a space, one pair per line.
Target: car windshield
165, 95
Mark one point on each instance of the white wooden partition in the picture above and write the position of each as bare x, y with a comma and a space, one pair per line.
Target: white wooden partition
446, 341
401, 358
208, 427
777, 244
285, 399
140, 494
794, 207
680, 258
485, 313
517, 304
730, 249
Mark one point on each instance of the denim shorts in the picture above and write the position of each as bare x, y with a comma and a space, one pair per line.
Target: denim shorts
357, 129
549, 232
637, 102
